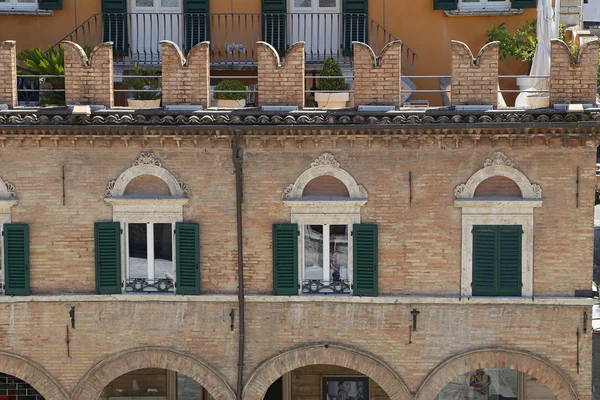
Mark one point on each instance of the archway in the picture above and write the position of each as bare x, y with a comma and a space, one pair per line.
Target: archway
106, 371
325, 354
33, 374
560, 384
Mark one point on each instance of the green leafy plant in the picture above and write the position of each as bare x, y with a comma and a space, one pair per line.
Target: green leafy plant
331, 68
240, 92
141, 80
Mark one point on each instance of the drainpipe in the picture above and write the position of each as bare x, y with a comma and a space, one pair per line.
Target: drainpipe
238, 158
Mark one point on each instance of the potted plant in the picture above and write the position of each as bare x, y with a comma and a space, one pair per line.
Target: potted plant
145, 87
328, 98
236, 98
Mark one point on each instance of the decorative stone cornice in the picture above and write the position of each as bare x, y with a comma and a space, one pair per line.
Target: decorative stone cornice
147, 159
498, 158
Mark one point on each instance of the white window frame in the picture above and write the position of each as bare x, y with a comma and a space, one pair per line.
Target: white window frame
497, 211
484, 5
16, 6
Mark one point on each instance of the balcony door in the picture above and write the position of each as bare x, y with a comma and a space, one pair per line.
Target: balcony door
318, 23
152, 21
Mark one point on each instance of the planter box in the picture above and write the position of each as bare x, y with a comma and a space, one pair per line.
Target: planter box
140, 104
332, 100
230, 103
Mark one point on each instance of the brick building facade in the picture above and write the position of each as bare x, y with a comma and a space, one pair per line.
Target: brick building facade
410, 191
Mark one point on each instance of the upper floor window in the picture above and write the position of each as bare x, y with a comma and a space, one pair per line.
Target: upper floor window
14, 248
497, 230
484, 4
160, 252
325, 249
19, 5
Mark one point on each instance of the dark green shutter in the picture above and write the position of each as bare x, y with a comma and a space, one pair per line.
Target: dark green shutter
355, 23
197, 22
115, 25
273, 24
107, 236
285, 259
188, 258
16, 259
50, 4
523, 4
445, 4
365, 259
497, 260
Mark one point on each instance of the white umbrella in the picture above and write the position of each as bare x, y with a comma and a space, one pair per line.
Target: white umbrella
547, 29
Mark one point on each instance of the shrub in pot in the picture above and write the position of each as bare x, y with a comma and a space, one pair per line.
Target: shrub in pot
236, 98
141, 80
330, 99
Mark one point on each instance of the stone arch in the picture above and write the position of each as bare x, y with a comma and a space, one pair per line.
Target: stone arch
34, 374
146, 164
325, 165
327, 354
558, 382
100, 375
498, 165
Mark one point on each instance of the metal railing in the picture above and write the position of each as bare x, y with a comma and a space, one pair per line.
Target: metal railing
233, 36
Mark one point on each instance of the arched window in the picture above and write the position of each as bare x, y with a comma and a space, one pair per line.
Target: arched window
158, 248
497, 229
325, 249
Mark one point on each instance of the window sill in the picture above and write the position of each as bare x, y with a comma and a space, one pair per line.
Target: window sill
483, 13
38, 13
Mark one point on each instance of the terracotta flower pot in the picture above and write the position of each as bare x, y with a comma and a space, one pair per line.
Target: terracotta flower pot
230, 103
141, 104
332, 100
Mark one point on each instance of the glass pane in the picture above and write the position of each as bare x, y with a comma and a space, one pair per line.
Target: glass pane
313, 252
144, 3
327, 3
302, 3
338, 252
483, 384
27, 1
163, 251
170, 3
142, 383
138, 251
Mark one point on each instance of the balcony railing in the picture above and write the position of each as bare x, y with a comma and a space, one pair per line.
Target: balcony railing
233, 37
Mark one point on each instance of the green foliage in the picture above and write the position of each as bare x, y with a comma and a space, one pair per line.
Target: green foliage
141, 78
521, 44
331, 68
231, 85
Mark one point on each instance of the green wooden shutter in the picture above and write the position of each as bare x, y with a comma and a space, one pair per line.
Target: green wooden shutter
523, 4
115, 25
484, 260
355, 23
197, 22
445, 4
273, 24
16, 259
285, 259
107, 240
188, 258
50, 4
509, 259
365, 259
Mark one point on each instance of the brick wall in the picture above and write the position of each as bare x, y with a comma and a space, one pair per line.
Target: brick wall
147, 185
377, 79
498, 186
8, 73
280, 82
573, 82
474, 80
325, 186
185, 81
89, 81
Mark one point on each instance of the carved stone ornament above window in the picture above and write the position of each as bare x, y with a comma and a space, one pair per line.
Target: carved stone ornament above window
146, 164
499, 164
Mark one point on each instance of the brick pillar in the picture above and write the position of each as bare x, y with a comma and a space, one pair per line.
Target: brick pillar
280, 82
573, 82
185, 81
8, 73
377, 80
89, 81
474, 80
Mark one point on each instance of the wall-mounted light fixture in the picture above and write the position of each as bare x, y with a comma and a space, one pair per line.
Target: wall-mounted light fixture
414, 313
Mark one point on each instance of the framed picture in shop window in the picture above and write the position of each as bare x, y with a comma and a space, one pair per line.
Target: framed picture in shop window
345, 388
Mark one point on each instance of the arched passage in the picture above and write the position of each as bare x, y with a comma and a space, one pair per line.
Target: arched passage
560, 385
330, 354
32, 373
107, 370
